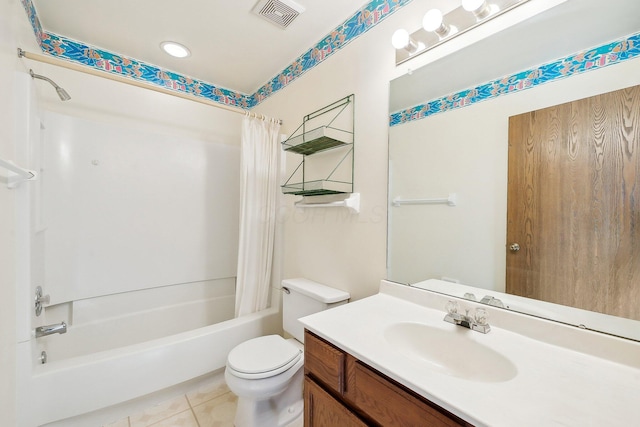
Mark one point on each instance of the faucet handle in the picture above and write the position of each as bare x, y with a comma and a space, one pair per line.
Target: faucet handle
481, 316
40, 300
452, 307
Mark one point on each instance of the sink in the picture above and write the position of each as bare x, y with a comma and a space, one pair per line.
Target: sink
451, 352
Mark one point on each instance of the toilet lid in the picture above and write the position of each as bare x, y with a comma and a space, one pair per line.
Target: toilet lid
263, 357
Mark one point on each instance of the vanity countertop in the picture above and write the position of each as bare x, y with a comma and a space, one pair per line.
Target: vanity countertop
565, 376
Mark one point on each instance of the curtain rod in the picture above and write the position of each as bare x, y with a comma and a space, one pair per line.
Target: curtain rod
87, 70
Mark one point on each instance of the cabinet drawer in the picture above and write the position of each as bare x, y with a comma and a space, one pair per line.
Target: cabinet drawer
390, 404
324, 362
322, 410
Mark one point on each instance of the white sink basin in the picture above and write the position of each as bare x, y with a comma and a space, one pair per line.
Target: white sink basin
454, 353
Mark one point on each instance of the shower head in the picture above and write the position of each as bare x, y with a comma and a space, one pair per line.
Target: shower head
64, 96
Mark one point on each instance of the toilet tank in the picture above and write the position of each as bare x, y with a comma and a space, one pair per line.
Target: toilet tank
302, 297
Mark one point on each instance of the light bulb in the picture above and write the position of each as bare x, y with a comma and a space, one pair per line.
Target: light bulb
479, 8
432, 20
400, 39
471, 5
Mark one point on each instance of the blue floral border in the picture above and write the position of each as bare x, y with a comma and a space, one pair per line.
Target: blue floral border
33, 19
93, 57
592, 59
366, 18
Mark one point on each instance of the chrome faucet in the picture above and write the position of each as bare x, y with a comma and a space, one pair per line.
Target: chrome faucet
476, 323
58, 328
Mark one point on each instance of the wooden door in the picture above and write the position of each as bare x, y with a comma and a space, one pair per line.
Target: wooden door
574, 204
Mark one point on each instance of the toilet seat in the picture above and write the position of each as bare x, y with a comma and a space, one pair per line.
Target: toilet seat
263, 357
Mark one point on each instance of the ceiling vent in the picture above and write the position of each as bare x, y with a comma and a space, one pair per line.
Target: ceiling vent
278, 12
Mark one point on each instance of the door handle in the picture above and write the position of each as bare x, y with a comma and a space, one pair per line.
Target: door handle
514, 247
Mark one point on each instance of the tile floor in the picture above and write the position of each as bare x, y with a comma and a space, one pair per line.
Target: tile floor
210, 406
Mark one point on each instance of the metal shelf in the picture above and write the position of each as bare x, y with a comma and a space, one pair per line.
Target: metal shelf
317, 188
317, 140
329, 129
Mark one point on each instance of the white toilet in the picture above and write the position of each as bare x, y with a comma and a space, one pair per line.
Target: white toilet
266, 372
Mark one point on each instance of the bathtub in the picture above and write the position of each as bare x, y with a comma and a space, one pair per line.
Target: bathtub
83, 376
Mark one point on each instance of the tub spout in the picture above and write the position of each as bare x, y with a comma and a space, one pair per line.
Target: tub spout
58, 328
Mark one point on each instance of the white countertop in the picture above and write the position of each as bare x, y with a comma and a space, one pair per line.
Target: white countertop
565, 376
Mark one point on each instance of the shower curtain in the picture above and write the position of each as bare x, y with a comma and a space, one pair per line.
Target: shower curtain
259, 185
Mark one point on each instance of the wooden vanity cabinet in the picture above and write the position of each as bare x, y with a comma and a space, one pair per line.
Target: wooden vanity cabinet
340, 390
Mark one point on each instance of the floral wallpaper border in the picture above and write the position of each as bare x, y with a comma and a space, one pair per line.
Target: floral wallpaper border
366, 18
96, 58
591, 59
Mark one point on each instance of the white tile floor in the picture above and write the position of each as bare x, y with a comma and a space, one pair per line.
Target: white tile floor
210, 406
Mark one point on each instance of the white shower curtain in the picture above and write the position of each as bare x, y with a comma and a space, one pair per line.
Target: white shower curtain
259, 186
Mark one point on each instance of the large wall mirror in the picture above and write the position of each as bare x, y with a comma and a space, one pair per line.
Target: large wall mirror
465, 151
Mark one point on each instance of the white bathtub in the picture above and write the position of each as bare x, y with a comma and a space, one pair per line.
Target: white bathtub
81, 376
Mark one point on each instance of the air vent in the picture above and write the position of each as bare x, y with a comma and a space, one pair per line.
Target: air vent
278, 12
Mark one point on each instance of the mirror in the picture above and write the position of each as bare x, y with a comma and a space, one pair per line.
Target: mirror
463, 151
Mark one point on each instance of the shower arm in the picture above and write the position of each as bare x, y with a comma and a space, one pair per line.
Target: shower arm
63, 94
46, 79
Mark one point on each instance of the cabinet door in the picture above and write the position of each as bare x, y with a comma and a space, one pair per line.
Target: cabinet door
391, 405
322, 410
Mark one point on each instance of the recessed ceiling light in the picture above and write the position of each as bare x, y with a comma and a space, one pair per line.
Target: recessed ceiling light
175, 49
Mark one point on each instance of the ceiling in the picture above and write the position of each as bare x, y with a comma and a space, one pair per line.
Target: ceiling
230, 46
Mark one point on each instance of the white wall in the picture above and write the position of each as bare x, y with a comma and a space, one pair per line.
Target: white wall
14, 31
7, 270
349, 252
329, 245
126, 209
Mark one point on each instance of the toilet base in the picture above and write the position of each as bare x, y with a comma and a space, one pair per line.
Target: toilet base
277, 411
262, 415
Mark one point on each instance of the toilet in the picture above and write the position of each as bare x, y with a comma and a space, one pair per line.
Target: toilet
266, 373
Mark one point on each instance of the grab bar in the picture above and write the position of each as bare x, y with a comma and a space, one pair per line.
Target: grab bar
22, 174
451, 201
57, 328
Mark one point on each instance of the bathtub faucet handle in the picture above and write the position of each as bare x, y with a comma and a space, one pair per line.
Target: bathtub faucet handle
40, 300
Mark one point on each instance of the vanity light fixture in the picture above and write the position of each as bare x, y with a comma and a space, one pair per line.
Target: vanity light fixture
438, 28
175, 49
